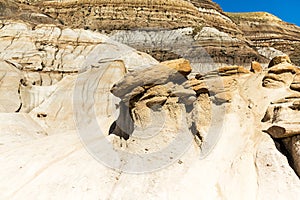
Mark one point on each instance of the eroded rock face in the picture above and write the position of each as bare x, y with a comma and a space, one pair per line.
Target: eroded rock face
147, 27
36, 59
282, 116
14, 10
279, 59
166, 30
147, 100
280, 73
292, 145
9, 85
269, 34
164, 87
51, 150
296, 83
256, 67
50, 48
125, 14
160, 87
206, 47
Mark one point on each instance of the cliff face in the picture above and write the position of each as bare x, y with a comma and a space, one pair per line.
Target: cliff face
82, 115
147, 25
266, 31
128, 14
256, 36
14, 10
201, 134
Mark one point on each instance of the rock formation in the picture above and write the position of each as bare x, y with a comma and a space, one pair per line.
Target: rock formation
147, 26
269, 34
283, 117
69, 98
282, 114
196, 30
10, 9
280, 72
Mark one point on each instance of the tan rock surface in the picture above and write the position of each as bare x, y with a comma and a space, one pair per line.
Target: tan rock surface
62, 147
279, 59
9, 85
256, 67
295, 85
159, 74
50, 48
284, 130
185, 27
281, 74
262, 29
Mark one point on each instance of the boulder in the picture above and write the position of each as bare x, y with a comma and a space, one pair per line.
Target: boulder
286, 112
255, 67
277, 80
296, 105
284, 130
295, 85
280, 75
231, 70
135, 92
279, 59
223, 97
283, 68
158, 90
183, 66
160, 74
156, 101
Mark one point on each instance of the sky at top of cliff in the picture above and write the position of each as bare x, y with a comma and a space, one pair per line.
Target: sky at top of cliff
286, 10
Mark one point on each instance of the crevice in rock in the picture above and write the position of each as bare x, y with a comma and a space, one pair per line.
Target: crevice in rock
18, 110
197, 136
124, 125
281, 147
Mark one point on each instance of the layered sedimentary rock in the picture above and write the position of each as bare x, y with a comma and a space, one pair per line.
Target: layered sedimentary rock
269, 34
34, 60
206, 48
114, 15
219, 36
195, 30
281, 73
10, 9
282, 116
69, 97
202, 132
283, 119
51, 48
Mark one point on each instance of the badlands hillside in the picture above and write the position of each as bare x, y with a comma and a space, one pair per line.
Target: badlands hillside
145, 99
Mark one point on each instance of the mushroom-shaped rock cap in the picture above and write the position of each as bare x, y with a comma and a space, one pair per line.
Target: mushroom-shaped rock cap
279, 59
175, 70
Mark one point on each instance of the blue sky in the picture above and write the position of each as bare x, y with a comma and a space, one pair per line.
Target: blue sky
287, 10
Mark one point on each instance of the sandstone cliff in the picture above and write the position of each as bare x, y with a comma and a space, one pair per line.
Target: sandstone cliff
10, 9
269, 33
116, 14
254, 36
146, 26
